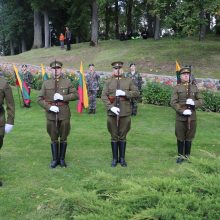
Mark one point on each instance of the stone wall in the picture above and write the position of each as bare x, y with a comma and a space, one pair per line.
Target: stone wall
202, 83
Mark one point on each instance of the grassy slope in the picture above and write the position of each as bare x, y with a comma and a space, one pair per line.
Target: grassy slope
151, 187
150, 56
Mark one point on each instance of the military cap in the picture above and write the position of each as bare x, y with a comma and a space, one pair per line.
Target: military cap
24, 65
185, 70
56, 64
91, 64
131, 64
117, 64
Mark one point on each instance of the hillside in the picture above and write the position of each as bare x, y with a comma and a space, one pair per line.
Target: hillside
151, 56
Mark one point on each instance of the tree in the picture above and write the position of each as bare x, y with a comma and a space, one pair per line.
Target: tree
94, 26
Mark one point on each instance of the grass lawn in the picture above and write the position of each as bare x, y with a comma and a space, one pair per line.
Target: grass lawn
157, 57
153, 186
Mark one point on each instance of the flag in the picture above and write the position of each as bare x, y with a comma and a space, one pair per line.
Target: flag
44, 74
178, 72
82, 91
23, 86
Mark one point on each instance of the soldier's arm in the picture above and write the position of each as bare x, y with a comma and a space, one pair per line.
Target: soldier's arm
72, 94
198, 99
133, 91
104, 97
41, 99
174, 102
10, 104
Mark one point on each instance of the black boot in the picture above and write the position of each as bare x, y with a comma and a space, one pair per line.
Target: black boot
181, 153
122, 148
114, 153
188, 145
63, 146
55, 153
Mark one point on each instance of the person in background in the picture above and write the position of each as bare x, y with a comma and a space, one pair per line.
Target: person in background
61, 38
6, 96
68, 38
184, 100
28, 78
93, 82
54, 97
136, 77
116, 95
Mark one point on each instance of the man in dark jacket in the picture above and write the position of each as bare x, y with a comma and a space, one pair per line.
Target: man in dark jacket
6, 97
54, 97
116, 95
185, 99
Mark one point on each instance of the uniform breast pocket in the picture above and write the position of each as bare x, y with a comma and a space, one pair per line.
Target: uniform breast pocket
63, 90
182, 94
50, 92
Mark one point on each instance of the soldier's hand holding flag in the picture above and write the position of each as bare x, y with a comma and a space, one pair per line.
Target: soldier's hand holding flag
187, 112
120, 92
54, 108
8, 128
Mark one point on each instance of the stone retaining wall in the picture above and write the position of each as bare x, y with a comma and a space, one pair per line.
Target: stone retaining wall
202, 83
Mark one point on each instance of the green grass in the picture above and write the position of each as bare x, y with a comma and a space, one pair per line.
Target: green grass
151, 56
153, 186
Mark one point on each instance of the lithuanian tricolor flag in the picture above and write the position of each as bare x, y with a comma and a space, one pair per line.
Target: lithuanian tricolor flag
44, 74
23, 86
82, 91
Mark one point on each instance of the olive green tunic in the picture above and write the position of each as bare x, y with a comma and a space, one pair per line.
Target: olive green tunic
45, 100
109, 99
6, 97
178, 102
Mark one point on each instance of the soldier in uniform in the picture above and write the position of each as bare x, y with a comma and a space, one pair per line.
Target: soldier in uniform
92, 81
6, 97
185, 99
136, 77
54, 97
28, 78
116, 95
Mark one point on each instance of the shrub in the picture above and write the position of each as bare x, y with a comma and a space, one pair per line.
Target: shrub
157, 94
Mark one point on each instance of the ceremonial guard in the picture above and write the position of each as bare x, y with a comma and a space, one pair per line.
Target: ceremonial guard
136, 77
6, 123
116, 95
54, 97
92, 81
185, 99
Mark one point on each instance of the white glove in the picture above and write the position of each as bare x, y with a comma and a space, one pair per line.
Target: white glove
57, 96
190, 102
8, 128
187, 112
120, 92
54, 108
116, 110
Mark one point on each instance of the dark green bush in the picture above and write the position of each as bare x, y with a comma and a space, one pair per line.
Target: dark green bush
157, 94
211, 101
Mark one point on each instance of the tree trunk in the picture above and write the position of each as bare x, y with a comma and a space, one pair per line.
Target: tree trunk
12, 47
202, 30
23, 45
37, 30
107, 20
157, 28
150, 28
94, 37
46, 29
217, 26
116, 20
129, 7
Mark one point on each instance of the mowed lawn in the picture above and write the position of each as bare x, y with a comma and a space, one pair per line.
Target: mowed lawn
153, 186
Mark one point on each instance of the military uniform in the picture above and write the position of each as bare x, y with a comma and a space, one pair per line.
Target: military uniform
58, 123
118, 126
136, 77
28, 78
7, 97
185, 127
92, 81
